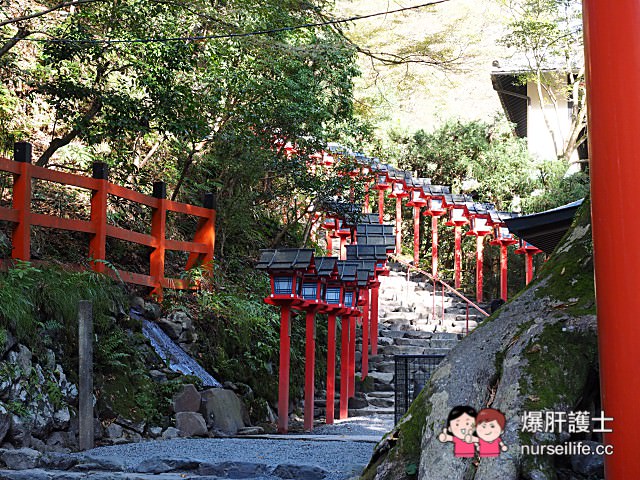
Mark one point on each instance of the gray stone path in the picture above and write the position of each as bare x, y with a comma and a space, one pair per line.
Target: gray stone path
330, 452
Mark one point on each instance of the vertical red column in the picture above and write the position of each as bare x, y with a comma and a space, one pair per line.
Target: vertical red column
479, 266
331, 366
352, 356
503, 272
367, 209
416, 235
21, 236
364, 362
344, 368
612, 41
283, 374
458, 255
434, 246
528, 267
158, 232
381, 206
375, 292
98, 242
398, 225
205, 233
309, 370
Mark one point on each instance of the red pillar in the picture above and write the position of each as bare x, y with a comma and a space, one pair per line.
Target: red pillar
503, 272
283, 374
21, 236
375, 291
158, 232
528, 267
458, 255
344, 368
364, 362
479, 266
309, 370
434, 246
612, 41
98, 242
398, 225
416, 235
331, 366
352, 356
381, 205
366, 198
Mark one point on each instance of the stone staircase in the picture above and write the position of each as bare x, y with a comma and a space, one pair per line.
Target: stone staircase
407, 326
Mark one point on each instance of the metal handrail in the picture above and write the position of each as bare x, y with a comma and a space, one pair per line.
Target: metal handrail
444, 284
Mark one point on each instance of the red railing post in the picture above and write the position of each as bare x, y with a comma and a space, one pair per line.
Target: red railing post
528, 267
283, 373
375, 292
479, 266
352, 356
309, 369
366, 198
205, 233
344, 367
458, 255
158, 232
416, 235
364, 361
381, 206
331, 366
98, 242
21, 236
399, 225
612, 46
503, 272
434, 246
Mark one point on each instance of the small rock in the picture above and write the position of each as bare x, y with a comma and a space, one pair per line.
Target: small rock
19, 432
158, 376
137, 303
113, 431
152, 310
21, 459
155, 432
299, 472
58, 461
191, 424
9, 342
234, 469
170, 433
172, 329
24, 359
223, 410
153, 466
187, 400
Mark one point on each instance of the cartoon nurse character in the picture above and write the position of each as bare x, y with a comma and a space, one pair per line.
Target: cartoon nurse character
490, 425
460, 425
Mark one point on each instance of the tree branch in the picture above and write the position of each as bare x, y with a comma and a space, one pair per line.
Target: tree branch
12, 42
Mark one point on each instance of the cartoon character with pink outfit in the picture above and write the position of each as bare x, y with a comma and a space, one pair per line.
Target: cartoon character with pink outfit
461, 423
490, 425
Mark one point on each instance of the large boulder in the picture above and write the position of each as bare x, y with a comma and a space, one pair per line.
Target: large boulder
188, 399
223, 410
537, 353
191, 424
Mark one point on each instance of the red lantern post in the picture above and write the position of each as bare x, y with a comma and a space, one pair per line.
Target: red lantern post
457, 219
479, 227
503, 238
435, 208
529, 251
417, 201
399, 192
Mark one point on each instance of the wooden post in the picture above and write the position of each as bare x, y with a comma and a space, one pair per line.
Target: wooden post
375, 290
309, 370
416, 235
434, 246
158, 232
21, 236
205, 233
503, 272
528, 272
398, 226
283, 373
479, 266
331, 367
352, 356
98, 242
381, 206
85, 360
458, 256
344, 367
364, 361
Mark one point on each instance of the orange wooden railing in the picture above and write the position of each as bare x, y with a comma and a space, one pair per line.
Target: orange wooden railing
200, 249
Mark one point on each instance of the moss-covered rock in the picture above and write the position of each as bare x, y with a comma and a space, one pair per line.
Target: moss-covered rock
539, 352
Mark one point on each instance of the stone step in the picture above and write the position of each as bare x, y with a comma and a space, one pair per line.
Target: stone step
380, 394
370, 412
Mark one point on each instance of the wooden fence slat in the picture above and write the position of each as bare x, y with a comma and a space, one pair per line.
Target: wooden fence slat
130, 236
72, 224
192, 247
